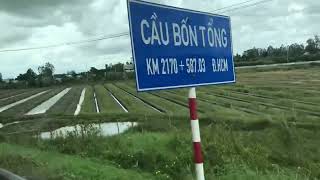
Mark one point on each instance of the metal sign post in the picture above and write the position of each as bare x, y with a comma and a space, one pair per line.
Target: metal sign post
198, 158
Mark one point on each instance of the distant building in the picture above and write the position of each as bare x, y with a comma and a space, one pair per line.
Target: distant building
10, 81
58, 77
128, 68
306, 54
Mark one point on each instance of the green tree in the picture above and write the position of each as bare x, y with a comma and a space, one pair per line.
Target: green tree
73, 74
96, 74
296, 50
317, 41
251, 54
46, 70
30, 77
270, 51
46, 74
311, 46
237, 57
1, 77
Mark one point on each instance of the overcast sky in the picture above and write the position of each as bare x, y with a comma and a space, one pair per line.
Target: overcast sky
32, 23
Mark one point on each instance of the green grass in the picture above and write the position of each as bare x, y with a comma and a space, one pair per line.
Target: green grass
167, 106
208, 107
277, 152
133, 105
50, 165
88, 105
243, 136
68, 103
106, 103
266, 108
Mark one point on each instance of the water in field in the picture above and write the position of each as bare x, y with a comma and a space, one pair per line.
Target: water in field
104, 129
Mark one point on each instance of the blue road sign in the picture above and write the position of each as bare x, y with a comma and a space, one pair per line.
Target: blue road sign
174, 47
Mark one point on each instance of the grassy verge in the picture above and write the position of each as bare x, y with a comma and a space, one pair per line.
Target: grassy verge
37, 164
163, 150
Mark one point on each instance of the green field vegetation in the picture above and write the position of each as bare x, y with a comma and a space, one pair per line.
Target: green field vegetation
68, 103
88, 105
133, 105
106, 103
165, 105
11, 92
264, 127
19, 96
49, 165
164, 150
23, 108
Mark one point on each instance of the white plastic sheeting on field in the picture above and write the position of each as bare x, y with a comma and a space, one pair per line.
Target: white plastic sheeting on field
104, 129
142, 102
124, 109
42, 108
80, 102
21, 101
96, 102
2, 99
9, 124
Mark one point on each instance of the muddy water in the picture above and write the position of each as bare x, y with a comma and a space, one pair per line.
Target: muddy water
42, 108
105, 129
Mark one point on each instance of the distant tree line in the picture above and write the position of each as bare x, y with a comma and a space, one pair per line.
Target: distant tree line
291, 53
255, 56
31, 78
110, 73
46, 77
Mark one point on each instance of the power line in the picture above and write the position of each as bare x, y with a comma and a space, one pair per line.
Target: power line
232, 5
111, 36
246, 6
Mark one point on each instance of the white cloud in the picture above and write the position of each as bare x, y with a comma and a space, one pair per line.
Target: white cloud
50, 22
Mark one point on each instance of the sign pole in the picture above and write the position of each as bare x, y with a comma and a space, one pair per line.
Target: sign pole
198, 158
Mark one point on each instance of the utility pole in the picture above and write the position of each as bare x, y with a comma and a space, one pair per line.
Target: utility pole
87, 72
288, 53
106, 66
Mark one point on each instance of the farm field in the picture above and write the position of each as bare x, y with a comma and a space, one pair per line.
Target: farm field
68, 104
10, 93
18, 96
266, 126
